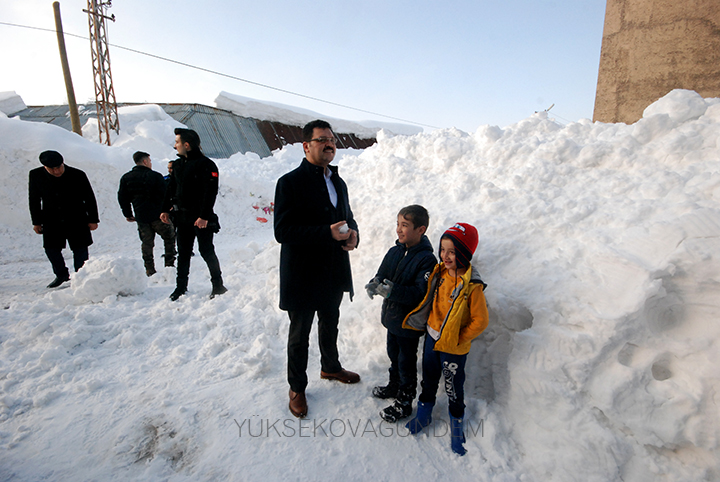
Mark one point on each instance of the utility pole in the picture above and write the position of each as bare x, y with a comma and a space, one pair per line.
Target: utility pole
72, 103
104, 90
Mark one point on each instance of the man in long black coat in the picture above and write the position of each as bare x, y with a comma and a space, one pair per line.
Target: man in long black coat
63, 209
316, 228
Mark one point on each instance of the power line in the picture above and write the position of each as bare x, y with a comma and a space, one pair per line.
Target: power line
215, 72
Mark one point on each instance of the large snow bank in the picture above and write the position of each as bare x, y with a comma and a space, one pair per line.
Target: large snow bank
599, 243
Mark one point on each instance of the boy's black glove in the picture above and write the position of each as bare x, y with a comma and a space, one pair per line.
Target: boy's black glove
384, 288
371, 287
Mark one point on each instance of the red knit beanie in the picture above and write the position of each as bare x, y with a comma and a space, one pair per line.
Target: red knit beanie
465, 238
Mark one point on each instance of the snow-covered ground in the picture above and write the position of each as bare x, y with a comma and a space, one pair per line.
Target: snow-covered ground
599, 243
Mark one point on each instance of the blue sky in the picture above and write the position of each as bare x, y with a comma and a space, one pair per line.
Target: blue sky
446, 64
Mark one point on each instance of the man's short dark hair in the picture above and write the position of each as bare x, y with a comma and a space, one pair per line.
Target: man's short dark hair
416, 214
189, 136
139, 156
310, 126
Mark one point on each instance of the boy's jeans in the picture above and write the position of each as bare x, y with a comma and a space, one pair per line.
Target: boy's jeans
452, 367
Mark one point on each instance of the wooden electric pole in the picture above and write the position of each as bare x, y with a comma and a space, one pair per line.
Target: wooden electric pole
72, 104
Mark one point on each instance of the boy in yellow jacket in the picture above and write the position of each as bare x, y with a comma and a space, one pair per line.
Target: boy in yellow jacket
453, 313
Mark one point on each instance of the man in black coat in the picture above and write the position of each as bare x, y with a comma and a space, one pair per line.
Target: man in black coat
63, 209
316, 228
191, 197
143, 190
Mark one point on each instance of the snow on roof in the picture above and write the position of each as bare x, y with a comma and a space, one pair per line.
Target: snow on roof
273, 111
10, 103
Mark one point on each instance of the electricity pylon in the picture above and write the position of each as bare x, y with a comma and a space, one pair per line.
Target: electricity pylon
104, 90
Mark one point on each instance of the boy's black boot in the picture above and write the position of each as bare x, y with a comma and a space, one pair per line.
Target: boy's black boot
388, 391
397, 411
402, 408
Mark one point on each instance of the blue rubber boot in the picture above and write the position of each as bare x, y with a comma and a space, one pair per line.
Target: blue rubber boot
457, 437
422, 419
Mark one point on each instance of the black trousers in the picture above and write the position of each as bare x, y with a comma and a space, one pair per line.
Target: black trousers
80, 255
147, 232
186, 234
402, 352
299, 341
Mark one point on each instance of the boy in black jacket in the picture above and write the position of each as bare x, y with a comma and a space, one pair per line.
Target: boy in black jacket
402, 280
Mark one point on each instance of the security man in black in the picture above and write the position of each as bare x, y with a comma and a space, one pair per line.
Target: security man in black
190, 197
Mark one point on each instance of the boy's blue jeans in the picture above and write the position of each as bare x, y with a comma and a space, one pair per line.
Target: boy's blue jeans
436, 364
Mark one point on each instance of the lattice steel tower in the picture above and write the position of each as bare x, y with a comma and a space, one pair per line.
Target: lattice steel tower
104, 90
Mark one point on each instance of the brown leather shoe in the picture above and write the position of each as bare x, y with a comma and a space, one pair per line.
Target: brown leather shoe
343, 375
298, 404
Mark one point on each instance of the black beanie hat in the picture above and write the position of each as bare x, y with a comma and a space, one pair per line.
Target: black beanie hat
51, 158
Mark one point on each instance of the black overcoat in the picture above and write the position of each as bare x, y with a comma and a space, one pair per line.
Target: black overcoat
63, 206
313, 266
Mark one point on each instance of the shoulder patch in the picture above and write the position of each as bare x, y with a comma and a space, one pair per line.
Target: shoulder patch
214, 174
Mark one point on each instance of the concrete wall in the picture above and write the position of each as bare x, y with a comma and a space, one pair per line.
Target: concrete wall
651, 47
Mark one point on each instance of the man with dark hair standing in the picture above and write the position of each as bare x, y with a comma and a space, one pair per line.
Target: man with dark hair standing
143, 191
63, 209
169, 169
191, 196
316, 228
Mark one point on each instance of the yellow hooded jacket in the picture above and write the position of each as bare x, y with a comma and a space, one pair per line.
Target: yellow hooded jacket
466, 319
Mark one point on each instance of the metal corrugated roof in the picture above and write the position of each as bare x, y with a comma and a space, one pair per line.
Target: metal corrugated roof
52, 114
222, 133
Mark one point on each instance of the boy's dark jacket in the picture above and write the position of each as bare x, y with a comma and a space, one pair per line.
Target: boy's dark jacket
408, 269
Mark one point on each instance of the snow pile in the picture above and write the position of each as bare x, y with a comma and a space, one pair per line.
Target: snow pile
106, 276
276, 112
599, 243
11, 103
147, 128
